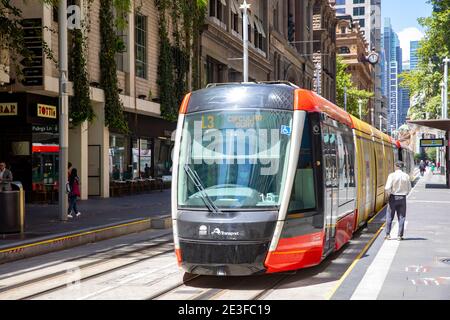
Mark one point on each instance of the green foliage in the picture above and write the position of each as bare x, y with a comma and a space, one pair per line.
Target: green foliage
165, 71
114, 115
343, 80
179, 63
80, 103
424, 82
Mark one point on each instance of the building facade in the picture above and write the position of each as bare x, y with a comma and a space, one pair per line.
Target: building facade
324, 48
414, 58
394, 62
368, 14
353, 48
101, 155
281, 47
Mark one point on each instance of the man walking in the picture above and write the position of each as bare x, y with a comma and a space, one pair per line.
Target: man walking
398, 186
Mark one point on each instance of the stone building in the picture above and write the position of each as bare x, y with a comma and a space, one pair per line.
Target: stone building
281, 42
30, 137
281, 46
324, 48
353, 48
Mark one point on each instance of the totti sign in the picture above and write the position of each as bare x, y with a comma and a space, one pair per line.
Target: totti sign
8, 109
45, 111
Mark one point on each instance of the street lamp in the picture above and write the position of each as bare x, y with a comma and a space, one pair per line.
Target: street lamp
63, 110
245, 6
445, 106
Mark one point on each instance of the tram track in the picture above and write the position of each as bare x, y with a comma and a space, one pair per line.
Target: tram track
40, 286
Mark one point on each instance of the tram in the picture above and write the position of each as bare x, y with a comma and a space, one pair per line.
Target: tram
268, 178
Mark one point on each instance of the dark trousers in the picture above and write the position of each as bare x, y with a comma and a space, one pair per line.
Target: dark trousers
72, 205
397, 204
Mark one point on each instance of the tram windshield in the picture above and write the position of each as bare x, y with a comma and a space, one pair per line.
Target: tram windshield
233, 160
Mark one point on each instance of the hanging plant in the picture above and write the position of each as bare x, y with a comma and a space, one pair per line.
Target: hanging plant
80, 103
114, 114
165, 67
179, 63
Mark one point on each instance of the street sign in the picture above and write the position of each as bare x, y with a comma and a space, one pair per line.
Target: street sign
432, 143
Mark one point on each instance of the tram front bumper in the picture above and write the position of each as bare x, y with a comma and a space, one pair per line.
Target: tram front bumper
224, 259
233, 244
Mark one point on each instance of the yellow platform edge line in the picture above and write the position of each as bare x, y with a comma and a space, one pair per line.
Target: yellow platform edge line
49, 241
364, 250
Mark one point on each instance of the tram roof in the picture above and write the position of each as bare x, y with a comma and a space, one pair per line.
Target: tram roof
310, 101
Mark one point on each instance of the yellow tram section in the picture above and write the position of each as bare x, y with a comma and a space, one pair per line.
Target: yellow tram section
375, 161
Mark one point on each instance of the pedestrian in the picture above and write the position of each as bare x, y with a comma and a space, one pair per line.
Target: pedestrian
422, 167
398, 186
74, 193
5, 177
433, 167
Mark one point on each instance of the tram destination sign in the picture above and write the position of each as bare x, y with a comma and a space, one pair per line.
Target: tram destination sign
8, 109
432, 143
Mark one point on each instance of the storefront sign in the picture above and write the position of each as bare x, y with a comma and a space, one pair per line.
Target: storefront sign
432, 143
8, 109
45, 111
45, 128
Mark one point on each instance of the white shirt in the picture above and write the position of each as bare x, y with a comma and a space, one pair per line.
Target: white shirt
398, 183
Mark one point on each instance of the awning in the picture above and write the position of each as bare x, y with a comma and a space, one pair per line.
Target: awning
443, 125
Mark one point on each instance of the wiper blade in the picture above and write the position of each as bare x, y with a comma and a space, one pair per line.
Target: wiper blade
193, 175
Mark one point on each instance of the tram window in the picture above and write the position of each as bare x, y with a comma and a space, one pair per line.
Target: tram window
303, 195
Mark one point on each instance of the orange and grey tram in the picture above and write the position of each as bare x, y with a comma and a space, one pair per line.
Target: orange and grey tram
269, 178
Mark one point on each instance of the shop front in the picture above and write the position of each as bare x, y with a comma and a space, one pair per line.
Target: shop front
29, 143
144, 153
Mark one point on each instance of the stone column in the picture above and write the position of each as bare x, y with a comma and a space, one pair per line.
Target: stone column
99, 136
78, 155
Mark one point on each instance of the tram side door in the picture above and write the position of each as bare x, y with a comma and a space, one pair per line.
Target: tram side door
329, 147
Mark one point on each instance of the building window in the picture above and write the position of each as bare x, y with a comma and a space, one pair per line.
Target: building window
340, 10
141, 45
214, 71
340, 2
344, 50
217, 10
118, 157
362, 23
359, 11
358, 1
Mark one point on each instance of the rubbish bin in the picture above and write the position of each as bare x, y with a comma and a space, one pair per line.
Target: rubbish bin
12, 208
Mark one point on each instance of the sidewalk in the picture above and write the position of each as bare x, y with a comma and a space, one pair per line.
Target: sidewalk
413, 269
134, 213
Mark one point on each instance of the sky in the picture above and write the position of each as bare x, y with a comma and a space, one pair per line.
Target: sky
404, 15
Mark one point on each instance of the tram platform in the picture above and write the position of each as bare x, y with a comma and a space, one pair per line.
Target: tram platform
100, 219
417, 268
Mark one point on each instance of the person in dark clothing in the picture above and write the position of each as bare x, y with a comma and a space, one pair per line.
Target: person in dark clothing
74, 184
422, 167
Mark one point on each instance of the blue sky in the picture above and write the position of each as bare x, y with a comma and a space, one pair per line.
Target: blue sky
404, 15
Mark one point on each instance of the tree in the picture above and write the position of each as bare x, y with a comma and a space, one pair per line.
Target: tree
424, 82
344, 80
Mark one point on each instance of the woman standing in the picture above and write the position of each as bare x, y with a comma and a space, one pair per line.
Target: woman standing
74, 183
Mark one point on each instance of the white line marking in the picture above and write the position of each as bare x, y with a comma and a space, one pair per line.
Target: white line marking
373, 280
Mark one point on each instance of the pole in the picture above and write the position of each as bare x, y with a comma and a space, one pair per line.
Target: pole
381, 123
445, 107
245, 6
63, 110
